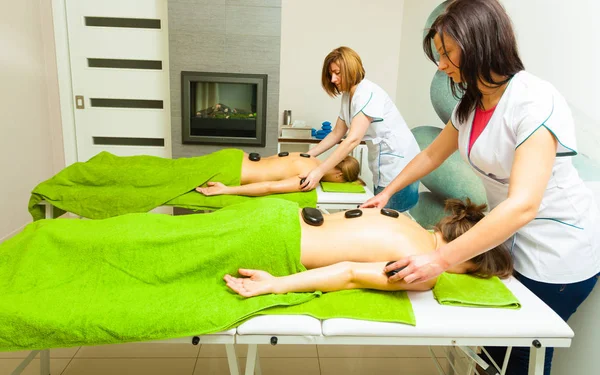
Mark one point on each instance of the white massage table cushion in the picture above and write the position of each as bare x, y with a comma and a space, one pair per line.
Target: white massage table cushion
435, 320
293, 325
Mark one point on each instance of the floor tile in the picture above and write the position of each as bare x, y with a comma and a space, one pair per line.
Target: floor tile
269, 366
139, 350
378, 351
212, 366
379, 366
264, 351
131, 366
290, 366
218, 351
57, 366
54, 353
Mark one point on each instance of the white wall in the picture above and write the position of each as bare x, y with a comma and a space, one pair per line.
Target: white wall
310, 29
561, 46
31, 140
415, 71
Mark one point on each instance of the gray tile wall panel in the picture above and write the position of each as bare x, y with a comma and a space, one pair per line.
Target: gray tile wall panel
256, 3
230, 36
260, 21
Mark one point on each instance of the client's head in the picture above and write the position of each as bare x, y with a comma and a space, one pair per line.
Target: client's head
346, 171
464, 215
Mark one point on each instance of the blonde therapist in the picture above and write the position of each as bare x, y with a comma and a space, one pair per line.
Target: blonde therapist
367, 113
517, 133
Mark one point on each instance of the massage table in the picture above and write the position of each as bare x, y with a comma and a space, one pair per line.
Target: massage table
535, 325
325, 201
341, 201
458, 329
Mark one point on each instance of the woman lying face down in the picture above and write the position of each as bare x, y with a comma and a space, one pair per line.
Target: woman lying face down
352, 253
280, 174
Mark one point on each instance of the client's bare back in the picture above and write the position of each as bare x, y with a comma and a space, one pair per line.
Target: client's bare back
372, 237
275, 168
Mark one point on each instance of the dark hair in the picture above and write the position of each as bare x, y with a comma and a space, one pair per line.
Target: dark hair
485, 36
351, 70
494, 262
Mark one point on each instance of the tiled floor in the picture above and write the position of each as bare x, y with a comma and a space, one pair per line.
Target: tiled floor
184, 359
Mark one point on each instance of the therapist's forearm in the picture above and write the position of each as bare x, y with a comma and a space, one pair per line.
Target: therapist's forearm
328, 142
341, 151
493, 230
420, 166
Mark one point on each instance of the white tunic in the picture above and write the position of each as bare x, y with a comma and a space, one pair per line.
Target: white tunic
562, 244
390, 143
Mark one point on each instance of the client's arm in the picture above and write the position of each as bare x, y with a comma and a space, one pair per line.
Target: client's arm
256, 189
340, 276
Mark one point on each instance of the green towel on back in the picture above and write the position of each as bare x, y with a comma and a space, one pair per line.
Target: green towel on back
138, 277
364, 304
471, 291
342, 187
109, 185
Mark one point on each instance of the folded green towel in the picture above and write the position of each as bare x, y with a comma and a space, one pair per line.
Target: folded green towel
109, 185
363, 304
342, 187
139, 277
471, 291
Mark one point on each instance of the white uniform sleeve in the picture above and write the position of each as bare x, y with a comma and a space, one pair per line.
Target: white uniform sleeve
342, 114
370, 103
546, 107
454, 118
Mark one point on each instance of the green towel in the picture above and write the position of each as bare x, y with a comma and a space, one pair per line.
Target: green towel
109, 185
139, 277
195, 201
471, 291
342, 187
364, 304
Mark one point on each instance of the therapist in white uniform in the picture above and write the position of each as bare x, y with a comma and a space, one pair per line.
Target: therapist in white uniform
517, 133
367, 113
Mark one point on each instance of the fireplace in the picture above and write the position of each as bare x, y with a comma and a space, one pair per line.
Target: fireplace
224, 108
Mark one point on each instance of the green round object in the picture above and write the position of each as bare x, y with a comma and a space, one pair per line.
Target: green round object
435, 14
441, 96
454, 178
429, 210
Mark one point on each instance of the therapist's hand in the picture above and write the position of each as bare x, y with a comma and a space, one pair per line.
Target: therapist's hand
419, 268
311, 180
378, 201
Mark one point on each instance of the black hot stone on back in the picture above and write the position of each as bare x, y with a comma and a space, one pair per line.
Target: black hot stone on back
393, 272
282, 154
254, 156
390, 213
305, 155
312, 216
353, 213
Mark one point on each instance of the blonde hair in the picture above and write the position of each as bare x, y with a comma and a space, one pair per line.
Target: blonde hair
350, 168
351, 70
464, 216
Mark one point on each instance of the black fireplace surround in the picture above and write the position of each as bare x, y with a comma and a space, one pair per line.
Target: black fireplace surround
224, 108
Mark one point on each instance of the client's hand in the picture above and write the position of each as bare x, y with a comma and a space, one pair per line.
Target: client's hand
256, 283
419, 268
213, 188
378, 201
311, 180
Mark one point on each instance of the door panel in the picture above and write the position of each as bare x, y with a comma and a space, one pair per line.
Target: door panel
123, 66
